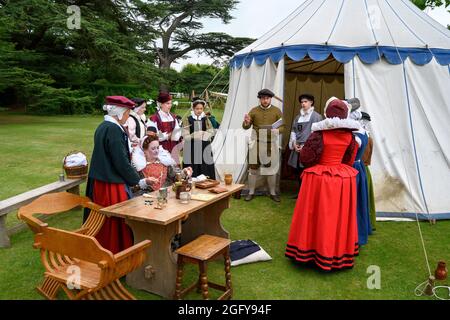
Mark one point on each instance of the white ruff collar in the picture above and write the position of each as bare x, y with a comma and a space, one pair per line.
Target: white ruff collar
304, 113
200, 117
335, 123
165, 115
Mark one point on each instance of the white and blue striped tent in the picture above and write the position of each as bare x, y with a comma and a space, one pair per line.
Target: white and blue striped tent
388, 53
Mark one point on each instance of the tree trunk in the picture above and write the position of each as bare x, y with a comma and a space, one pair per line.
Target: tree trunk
165, 63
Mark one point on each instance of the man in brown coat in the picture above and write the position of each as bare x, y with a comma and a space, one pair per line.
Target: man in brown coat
264, 153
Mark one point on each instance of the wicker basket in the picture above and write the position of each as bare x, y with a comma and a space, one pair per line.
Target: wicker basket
77, 172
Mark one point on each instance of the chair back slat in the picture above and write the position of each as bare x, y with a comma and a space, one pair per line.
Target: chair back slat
53, 203
73, 245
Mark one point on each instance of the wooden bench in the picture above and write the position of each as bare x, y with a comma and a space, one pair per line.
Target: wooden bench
13, 203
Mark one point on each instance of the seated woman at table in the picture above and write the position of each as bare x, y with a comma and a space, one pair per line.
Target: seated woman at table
164, 156
160, 174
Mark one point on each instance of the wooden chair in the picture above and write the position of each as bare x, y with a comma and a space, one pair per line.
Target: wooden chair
54, 203
200, 251
83, 268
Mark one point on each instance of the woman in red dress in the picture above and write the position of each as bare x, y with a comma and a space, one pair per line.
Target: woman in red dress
324, 227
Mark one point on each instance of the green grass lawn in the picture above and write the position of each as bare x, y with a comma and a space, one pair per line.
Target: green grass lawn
31, 151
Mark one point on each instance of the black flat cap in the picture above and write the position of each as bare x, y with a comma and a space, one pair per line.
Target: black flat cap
152, 129
307, 96
138, 101
265, 93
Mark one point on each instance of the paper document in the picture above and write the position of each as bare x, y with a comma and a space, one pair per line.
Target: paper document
176, 134
277, 123
203, 197
160, 135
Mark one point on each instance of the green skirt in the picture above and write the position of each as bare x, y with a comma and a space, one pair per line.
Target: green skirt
373, 213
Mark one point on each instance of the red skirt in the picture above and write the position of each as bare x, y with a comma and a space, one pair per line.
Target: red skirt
324, 227
115, 235
166, 127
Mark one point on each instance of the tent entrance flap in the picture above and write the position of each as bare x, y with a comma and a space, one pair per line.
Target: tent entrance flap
322, 79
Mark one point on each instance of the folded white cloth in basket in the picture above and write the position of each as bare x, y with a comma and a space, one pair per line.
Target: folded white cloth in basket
76, 159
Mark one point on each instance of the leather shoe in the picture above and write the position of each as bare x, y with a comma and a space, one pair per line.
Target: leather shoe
275, 198
249, 197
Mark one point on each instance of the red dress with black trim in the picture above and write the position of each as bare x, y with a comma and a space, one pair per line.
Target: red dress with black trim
324, 226
165, 127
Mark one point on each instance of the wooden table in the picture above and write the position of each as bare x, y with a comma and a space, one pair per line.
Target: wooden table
158, 273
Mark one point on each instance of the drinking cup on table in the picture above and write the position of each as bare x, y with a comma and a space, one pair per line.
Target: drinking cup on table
185, 197
228, 179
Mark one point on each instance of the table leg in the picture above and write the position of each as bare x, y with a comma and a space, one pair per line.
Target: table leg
205, 221
158, 272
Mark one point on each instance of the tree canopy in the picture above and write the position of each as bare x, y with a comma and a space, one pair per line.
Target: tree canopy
178, 25
49, 68
197, 77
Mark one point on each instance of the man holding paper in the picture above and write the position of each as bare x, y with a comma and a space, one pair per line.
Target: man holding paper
264, 146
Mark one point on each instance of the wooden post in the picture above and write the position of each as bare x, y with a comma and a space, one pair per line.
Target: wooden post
75, 190
4, 239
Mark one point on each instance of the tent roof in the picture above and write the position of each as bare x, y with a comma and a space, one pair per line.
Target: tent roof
395, 29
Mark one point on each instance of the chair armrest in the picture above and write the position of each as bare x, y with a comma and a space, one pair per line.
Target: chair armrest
81, 230
132, 250
33, 223
93, 206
